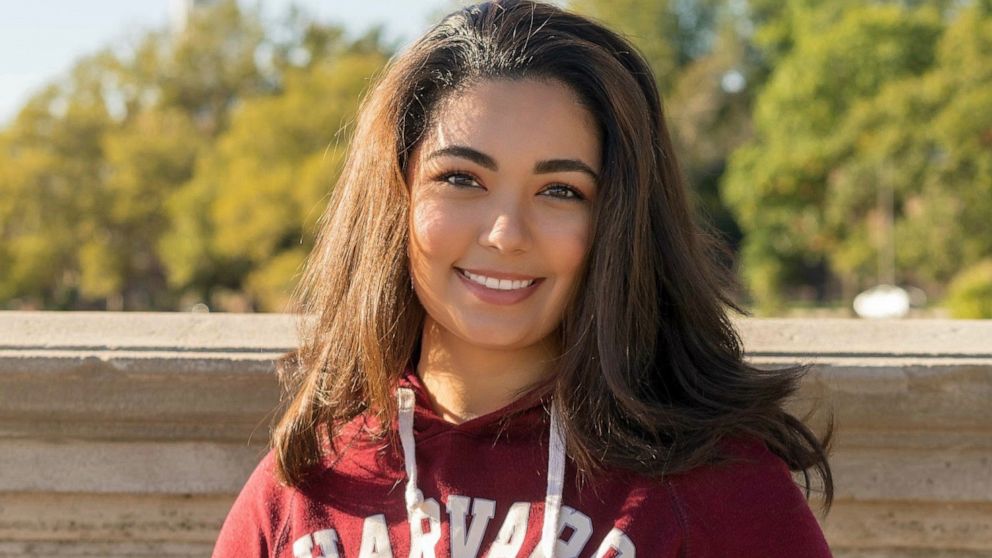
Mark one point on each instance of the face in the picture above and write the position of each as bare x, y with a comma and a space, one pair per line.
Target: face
502, 189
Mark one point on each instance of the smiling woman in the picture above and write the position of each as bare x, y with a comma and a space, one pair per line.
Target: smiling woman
512, 312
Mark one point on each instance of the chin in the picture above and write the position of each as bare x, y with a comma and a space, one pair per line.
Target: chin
498, 340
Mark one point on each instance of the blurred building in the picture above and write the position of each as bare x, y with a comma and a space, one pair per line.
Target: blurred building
181, 11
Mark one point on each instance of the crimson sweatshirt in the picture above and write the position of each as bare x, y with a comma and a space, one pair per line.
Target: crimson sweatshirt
498, 488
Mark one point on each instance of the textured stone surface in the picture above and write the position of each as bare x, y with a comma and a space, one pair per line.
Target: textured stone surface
145, 331
828, 338
121, 376
102, 549
880, 523
84, 517
129, 434
132, 467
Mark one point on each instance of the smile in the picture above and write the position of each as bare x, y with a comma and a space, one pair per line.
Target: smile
497, 284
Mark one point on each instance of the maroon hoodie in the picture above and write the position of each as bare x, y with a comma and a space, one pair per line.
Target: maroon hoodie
502, 488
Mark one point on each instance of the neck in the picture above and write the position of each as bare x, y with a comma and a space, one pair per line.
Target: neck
465, 381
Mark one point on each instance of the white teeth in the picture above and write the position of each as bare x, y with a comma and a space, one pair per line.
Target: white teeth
498, 284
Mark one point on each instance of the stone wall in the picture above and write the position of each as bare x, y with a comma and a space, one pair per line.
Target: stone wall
912, 401
126, 434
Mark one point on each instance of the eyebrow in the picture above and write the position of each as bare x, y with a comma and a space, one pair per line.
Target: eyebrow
541, 167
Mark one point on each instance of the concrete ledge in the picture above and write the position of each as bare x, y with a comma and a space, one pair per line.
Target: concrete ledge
100, 549
108, 518
131, 467
128, 434
908, 525
120, 376
825, 339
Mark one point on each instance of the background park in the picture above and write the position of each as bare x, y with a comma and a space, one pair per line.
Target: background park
835, 145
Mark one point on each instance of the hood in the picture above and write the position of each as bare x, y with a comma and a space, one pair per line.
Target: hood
417, 419
526, 417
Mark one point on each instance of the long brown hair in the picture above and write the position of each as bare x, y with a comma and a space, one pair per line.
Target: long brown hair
652, 377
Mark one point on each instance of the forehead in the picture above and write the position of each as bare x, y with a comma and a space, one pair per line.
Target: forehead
512, 119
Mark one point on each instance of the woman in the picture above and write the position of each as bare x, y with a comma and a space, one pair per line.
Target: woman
516, 339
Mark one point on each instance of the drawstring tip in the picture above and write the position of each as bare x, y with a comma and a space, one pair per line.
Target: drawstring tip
414, 499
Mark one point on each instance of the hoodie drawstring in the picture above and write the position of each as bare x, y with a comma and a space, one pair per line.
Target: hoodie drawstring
552, 499
556, 480
406, 400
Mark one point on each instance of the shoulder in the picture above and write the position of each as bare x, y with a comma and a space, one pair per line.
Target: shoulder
254, 524
749, 507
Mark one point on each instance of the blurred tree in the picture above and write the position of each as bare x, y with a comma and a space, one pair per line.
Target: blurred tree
195, 164
144, 162
941, 172
970, 293
778, 184
50, 187
211, 64
246, 219
109, 179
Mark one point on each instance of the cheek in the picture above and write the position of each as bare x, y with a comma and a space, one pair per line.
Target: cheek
567, 244
425, 224
435, 234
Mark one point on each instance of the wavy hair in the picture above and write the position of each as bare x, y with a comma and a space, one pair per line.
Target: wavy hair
652, 376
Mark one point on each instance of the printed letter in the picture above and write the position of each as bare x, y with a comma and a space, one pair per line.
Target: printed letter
512, 533
422, 544
326, 540
375, 538
616, 540
303, 547
581, 531
465, 543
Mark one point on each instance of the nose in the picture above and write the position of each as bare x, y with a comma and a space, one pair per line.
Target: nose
508, 231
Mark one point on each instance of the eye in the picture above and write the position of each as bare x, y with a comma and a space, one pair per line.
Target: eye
460, 179
563, 191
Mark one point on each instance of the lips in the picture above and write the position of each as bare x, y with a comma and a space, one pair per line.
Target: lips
498, 287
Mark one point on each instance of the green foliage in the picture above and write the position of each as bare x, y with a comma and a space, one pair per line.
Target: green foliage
125, 185
884, 97
270, 284
257, 194
50, 184
970, 293
938, 171
193, 165
143, 163
211, 64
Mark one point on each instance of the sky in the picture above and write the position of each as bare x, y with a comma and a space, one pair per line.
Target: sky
41, 39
